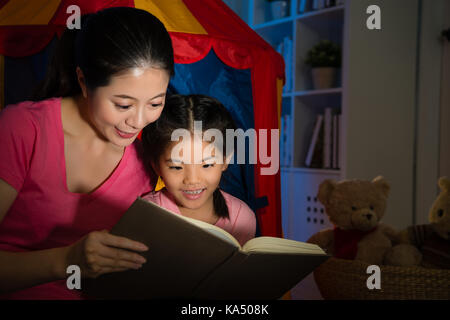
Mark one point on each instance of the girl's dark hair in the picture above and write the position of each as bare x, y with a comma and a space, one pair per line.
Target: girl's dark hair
110, 41
180, 112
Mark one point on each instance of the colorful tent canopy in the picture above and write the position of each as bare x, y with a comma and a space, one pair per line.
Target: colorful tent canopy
216, 53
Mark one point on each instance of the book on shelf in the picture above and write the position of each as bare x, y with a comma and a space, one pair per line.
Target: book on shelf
287, 145
335, 164
323, 151
288, 61
188, 258
284, 48
327, 138
330, 3
283, 137
314, 138
304, 6
318, 4
317, 157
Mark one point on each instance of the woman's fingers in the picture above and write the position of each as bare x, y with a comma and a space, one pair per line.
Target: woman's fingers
121, 242
117, 255
100, 263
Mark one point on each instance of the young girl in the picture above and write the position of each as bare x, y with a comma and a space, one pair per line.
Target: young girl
191, 188
71, 164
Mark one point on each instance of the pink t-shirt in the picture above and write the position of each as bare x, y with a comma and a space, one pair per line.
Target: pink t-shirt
45, 213
242, 221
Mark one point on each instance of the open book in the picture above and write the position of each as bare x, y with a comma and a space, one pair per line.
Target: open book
188, 258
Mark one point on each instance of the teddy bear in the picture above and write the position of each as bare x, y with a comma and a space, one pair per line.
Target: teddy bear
355, 207
432, 239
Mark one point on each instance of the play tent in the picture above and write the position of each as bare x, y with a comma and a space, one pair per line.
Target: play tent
216, 54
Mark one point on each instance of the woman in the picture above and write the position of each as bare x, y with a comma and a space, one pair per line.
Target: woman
71, 164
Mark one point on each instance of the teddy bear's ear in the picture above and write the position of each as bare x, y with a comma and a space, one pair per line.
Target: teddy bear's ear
326, 187
444, 184
382, 184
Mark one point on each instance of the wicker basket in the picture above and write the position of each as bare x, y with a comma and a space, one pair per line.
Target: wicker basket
346, 279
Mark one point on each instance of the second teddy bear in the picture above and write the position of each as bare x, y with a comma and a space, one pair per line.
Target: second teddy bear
433, 239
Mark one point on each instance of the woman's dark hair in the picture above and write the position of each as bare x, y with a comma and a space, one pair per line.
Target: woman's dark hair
180, 112
110, 41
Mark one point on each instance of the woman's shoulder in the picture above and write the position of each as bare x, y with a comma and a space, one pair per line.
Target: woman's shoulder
30, 110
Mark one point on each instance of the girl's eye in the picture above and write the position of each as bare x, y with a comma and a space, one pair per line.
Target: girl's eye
156, 105
175, 167
208, 165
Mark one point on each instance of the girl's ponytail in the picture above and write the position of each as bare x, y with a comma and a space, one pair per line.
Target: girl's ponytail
220, 205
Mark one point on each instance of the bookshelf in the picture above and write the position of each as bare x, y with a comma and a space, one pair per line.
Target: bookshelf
376, 97
301, 103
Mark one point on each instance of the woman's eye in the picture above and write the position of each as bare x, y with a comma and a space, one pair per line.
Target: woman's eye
156, 105
208, 165
122, 106
175, 168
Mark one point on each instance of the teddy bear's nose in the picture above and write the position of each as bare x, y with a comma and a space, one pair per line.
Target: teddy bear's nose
369, 216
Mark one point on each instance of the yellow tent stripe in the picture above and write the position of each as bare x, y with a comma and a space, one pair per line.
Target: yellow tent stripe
26, 12
173, 13
2, 81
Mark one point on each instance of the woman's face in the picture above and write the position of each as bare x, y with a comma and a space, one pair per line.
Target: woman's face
132, 100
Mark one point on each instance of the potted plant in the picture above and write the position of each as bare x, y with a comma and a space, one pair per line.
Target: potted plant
324, 59
278, 8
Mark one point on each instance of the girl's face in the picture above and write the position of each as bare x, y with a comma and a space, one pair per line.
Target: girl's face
132, 100
192, 185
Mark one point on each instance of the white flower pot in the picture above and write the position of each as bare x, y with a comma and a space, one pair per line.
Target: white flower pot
278, 9
324, 77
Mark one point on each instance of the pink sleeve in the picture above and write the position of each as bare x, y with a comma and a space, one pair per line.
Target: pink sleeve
17, 138
244, 228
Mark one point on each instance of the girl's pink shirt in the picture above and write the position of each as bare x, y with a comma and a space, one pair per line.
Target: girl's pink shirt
45, 213
241, 223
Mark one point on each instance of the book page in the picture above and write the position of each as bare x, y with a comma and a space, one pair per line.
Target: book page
219, 232
281, 245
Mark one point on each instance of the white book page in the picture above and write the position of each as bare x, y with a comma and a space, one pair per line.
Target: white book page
280, 245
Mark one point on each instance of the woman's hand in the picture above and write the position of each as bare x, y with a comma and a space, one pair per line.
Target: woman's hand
100, 252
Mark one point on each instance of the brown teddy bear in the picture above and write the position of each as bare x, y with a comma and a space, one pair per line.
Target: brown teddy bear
433, 239
356, 207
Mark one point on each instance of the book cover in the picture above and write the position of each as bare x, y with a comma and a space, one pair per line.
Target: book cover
188, 258
317, 159
314, 137
335, 141
327, 138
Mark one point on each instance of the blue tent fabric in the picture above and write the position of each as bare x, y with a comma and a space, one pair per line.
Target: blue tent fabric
22, 75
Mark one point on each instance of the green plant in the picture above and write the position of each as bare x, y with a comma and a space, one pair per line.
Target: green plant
324, 54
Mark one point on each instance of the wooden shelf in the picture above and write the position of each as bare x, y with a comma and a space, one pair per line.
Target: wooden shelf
322, 12
317, 92
273, 23
336, 172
